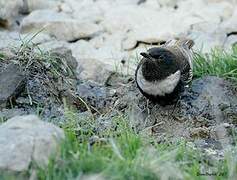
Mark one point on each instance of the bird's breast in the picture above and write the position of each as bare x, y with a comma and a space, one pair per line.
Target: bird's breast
159, 87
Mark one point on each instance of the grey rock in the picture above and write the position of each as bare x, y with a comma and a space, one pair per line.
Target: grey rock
94, 94
8, 10
10, 113
31, 5
12, 81
207, 36
230, 42
66, 55
92, 69
9, 39
27, 139
222, 132
93, 177
230, 24
94, 63
104, 124
58, 25
210, 97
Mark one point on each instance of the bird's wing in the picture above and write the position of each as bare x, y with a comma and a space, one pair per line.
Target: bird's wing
184, 62
186, 74
183, 42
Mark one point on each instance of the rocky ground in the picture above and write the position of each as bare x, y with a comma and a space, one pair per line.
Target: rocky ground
83, 54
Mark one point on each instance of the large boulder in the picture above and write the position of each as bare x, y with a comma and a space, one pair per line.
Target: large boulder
59, 25
92, 62
25, 140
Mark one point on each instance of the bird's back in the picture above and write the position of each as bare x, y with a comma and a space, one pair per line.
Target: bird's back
183, 57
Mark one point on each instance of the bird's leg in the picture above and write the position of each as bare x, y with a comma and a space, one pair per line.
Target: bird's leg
147, 106
174, 107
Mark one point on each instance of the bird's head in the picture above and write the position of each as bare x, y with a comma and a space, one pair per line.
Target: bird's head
158, 63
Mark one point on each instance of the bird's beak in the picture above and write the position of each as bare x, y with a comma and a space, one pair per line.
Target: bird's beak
145, 55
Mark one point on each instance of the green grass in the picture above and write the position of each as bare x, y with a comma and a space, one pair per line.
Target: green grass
124, 154
1, 56
218, 63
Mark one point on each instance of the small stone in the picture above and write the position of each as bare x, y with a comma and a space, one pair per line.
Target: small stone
94, 94
92, 177
201, 132
12, 81
23, 100
96, 140
104, 124
220, 131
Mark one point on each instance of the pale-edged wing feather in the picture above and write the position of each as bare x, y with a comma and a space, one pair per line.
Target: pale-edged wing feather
184, 59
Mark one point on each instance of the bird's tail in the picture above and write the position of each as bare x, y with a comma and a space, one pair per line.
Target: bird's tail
189, 43
186, 42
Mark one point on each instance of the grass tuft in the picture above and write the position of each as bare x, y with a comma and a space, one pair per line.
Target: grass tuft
1, 56
47, 67
218, 63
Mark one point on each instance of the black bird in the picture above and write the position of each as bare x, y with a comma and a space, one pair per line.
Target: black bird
165, 70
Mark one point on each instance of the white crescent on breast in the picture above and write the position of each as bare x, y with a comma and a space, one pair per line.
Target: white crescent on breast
158, 88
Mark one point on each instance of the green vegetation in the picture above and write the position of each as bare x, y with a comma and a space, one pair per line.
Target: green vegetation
1, 56
218, 62
50, 68
124, 154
